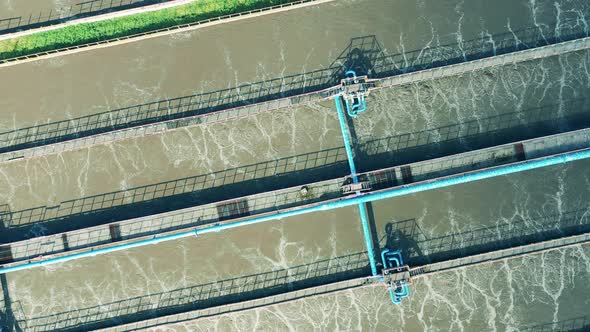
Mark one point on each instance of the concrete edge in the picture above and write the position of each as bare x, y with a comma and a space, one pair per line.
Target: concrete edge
105, 44
268, 213
97, 18
319, 291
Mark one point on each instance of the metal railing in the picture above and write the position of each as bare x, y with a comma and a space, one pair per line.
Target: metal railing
268, 203
153, 32
490, 257
158, 117
346, 285
269, 94
200, 295
137, 228
57, 16
162, 126
159, 112
484, 63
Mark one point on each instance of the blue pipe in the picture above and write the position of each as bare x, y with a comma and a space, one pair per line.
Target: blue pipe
399, 290
394, 298
101, 251
410, 189
357, 108
403, 292
383, 252
361, 206
395, 259
349, 109
397, 295
363, 105
350, 74
347, 145
345, 202
367, 234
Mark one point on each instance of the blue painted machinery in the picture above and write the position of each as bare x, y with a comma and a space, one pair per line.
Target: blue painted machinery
354, 90
396, 275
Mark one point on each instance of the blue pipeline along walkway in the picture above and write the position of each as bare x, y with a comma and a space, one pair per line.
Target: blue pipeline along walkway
579, 151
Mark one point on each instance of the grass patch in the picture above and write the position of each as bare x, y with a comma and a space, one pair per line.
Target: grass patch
80, 34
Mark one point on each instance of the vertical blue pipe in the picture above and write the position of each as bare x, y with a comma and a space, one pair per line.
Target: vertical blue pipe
361, 206
347, 145
367, 234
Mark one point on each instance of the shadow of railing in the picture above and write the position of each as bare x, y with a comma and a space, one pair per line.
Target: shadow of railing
419, 249
8, 321
473, 134
173, 195
578, 324
62, 15
404, 235
480, 48
365, 55
181, 107
207, 295
288, 172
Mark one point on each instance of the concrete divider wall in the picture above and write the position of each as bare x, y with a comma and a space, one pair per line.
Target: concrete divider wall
498, 60
161, 127
104, 9
347, 285
161, 32
290, 198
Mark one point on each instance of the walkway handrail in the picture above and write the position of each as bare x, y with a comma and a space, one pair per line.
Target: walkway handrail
333, 288
154, 33
345, 202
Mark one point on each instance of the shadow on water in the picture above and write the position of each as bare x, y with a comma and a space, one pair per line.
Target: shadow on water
289, 171
578, 324
62, 15
472, 135
365, 55
8, 321
419, 249
172, 195
181, 107
405, 235
457, 138
201, 296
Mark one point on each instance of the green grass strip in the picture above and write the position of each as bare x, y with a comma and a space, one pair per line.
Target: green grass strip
85, 33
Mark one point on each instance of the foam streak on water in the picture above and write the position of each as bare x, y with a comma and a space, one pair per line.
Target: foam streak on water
404, 124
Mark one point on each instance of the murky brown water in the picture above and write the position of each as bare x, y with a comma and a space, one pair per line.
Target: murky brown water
249, 51
459, 298
182, 264
24, 9
154, 159
519, 295
27, 14
545, 96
